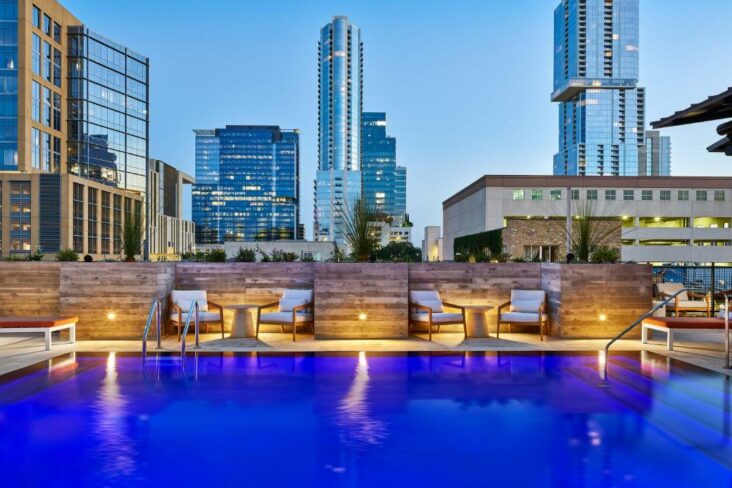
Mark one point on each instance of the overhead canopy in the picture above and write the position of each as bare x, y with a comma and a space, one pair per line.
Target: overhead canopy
713, 108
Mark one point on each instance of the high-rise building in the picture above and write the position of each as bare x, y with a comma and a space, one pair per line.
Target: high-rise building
384, 183
247, 184
170, 234
340, 103
602, 109
74, 137
655, 155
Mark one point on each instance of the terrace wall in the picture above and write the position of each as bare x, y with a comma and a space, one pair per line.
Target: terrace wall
577, 294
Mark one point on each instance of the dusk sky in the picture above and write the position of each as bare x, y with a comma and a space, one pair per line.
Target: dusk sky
465, 83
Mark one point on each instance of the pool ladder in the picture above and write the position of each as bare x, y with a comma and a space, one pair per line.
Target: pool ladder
154, 311
194, 306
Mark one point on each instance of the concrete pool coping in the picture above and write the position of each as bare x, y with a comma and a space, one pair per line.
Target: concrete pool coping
22, 351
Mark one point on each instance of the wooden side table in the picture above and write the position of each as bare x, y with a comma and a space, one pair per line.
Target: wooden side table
476, 320
244, 323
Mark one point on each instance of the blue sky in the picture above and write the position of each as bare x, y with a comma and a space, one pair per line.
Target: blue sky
465, 83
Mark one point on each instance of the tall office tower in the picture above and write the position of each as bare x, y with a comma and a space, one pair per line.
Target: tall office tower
247, 184
384, 183
602, 109
655, 155
340, 103
170, 234
74, 133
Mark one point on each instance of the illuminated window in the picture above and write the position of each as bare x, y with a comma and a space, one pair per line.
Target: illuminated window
537, 194
518, 194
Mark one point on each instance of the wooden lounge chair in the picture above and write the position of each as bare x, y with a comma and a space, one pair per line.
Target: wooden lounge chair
526, 307
208, 311
427, 308
686, 301
295, 308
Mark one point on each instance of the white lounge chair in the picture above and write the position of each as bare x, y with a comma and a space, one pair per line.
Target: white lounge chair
208, 311
686, 301
294, 308
427, 308
526, 307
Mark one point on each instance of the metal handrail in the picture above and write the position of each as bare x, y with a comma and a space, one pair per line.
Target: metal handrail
633, 326
194, 303
154, 309
726, 333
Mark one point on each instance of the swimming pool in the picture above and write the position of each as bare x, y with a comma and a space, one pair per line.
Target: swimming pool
473, 419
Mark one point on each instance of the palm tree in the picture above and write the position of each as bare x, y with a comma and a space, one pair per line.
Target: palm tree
362, 230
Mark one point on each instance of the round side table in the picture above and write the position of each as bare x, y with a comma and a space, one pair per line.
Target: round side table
244, 323
476, 320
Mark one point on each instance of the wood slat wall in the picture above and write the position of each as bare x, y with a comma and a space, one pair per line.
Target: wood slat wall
343, 291
29, 288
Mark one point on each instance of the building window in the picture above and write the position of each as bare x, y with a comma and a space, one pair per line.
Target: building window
35, 148
47, 25
718, 195
610, 195
592, 194
117, 237
665, 195
537, 194
518, 194
36, 47
36, 102
56, 120
46, 102
575, 194
20, 217
78, 211
555, 194
628, 195
56, 155
106, 221
57, 68
683, 195
701, 195
36, 17
46, 151
541, 253
57, 32
647, 195
92, 219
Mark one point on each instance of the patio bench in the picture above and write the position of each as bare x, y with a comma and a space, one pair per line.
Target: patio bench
671, 325
46, 325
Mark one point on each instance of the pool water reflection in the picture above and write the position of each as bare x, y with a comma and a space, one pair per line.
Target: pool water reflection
472, 419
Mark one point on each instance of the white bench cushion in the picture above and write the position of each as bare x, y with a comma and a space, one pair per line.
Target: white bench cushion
521, 317
184, 298
202, 316
284, 317
438, 318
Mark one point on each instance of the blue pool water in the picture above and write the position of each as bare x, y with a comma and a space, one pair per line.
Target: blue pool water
450, 420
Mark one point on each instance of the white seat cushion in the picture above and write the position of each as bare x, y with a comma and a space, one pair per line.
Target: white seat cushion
521, 317
283, 317
689, 304
438, 318
202, 317
427, 298
184, 298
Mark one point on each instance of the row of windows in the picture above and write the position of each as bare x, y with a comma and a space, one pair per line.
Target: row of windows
46, 62
46, 108
45, 151
627, 195
44, 23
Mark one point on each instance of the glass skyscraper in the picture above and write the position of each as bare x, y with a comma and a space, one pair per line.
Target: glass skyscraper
247, 184
340, 103
655, 155
602, 109
384, 183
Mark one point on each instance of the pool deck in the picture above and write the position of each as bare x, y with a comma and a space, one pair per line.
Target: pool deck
706, 350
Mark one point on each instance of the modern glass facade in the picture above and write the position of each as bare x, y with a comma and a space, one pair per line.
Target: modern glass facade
655, 155
384, 183
340, 103
8, 85
247, 184
108, 111
602, 109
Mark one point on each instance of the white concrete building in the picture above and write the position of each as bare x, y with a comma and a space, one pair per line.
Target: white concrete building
432, 243
662, 219
170, 234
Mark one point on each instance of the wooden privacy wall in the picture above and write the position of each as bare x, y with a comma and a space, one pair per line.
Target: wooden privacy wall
239, 283
344, 291
29, 288
94, 291
620, 292
551, 282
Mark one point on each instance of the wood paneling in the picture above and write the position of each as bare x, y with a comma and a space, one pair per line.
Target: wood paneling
29, 288
343, 291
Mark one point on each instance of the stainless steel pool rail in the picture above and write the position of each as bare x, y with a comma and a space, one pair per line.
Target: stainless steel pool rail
194, 305
726, 333
633, 326
154, 311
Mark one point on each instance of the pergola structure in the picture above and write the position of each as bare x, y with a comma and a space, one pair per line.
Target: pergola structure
716, 107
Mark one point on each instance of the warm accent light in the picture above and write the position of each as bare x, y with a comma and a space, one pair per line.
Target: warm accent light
362, 316
625, 217
111, 316
602, 317
657, 219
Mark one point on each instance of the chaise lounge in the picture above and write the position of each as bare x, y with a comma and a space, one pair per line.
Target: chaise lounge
427, 308
295, 308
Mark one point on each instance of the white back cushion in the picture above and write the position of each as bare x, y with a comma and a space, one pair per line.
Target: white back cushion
527, 301
287, 304
671, 288
184, 298
293, 294
429, 298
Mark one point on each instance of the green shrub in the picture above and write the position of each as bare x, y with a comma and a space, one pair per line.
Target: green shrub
67, 255
246, 255
36, 255
605, 254
132, 236
215, 256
